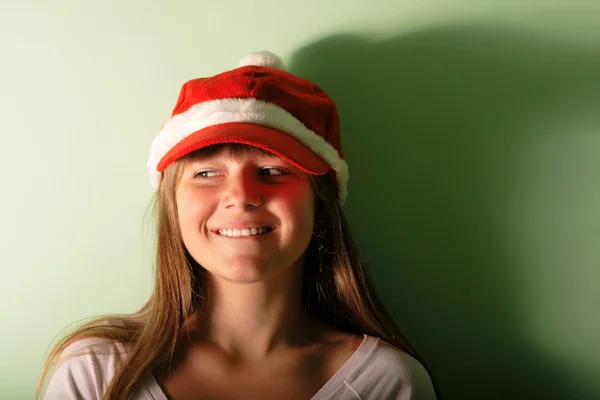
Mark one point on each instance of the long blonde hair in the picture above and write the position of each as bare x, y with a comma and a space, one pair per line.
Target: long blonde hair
336, 288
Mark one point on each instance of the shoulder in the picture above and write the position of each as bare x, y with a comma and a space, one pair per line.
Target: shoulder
84, 369
390, 373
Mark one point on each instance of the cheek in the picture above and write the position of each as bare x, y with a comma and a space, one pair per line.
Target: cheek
191, 213
300, 209
305, 218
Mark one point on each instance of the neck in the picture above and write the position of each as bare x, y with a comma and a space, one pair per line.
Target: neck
252, 320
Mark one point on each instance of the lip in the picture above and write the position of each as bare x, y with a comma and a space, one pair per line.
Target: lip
244, 225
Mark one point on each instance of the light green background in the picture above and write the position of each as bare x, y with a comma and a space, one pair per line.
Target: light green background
472, 131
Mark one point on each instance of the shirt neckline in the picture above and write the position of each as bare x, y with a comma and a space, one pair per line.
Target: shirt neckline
341, 376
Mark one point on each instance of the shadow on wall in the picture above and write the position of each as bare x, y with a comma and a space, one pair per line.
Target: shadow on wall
436, 125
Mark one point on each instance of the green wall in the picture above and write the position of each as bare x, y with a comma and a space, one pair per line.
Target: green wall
472, 132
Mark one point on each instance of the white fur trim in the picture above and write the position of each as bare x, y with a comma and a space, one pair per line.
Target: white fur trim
263, 59
215, 112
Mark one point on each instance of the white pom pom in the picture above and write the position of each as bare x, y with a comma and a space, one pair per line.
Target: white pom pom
263, 59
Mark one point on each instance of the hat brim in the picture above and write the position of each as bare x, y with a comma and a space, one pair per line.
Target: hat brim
272, 140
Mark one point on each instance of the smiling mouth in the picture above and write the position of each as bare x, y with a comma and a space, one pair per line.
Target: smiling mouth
246, 232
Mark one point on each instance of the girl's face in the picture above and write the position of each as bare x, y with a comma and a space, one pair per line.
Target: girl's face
246, 217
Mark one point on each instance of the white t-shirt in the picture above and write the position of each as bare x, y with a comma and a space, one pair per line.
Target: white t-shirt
376, 370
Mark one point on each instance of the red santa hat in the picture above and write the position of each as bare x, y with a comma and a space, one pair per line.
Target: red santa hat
259, 104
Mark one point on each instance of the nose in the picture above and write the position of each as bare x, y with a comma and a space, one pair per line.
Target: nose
243, 192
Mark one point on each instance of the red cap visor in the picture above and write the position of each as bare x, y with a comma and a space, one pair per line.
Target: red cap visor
264, 137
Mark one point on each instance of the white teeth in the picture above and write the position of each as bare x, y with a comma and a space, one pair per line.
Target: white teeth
243, 232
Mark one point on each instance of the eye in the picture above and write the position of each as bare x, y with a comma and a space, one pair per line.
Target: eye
206, 173
273, 171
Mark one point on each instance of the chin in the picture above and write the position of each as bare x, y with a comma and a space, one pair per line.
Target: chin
250, 270
243, 271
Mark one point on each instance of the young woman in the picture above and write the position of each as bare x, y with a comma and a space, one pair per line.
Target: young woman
260, 290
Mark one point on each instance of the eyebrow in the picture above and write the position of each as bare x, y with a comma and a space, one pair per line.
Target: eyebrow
283, 162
